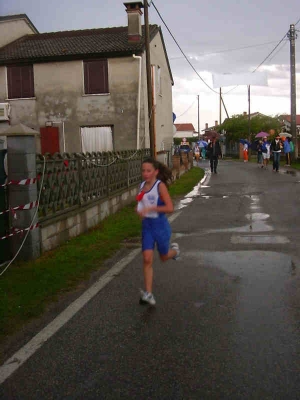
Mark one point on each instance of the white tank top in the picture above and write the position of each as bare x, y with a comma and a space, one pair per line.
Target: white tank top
149, 199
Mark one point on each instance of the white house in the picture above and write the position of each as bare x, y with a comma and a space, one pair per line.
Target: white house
85, 90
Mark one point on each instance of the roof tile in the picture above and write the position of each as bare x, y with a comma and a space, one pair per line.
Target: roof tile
66, 44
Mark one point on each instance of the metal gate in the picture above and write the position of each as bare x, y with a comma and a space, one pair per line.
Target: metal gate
4, 218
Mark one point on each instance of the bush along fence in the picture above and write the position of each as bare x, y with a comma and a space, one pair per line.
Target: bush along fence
54, 198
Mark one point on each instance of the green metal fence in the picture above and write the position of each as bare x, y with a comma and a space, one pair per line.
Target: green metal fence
4, 216
68, 181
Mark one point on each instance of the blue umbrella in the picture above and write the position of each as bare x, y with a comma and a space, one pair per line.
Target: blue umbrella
243, 141
202, 143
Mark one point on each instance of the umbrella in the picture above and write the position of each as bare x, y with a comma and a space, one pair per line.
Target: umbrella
285, 134
243, 141
211, 134
262, 134
202, 143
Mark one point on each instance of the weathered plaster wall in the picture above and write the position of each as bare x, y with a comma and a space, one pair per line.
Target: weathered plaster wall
59, 96
12, 30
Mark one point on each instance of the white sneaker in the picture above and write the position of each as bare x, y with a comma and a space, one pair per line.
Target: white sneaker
175, 246
147, 298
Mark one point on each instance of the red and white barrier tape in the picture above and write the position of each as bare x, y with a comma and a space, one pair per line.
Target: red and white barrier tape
21, 182
16, 232
28, 206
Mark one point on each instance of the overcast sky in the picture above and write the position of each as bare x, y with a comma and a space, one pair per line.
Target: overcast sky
219, 36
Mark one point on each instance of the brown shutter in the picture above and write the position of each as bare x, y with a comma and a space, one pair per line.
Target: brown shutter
27, 81
95, 77
14, 82
20, 81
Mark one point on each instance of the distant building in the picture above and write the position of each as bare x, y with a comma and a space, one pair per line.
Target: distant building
286, 123
184, 130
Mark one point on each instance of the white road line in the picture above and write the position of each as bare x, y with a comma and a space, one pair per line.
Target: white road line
13, 363
22, 355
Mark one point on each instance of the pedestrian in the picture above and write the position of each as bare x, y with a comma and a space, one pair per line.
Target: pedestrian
276, 147
291, 145
259, 154
203, 152
214, 152
197, 153
287, 152
154, 202
245, 151
265, 151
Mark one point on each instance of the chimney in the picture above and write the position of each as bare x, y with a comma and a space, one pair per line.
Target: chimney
216, 123
134, 13
206, 126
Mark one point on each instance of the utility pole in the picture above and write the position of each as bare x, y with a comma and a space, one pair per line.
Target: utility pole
249, 118
220, 111
292, 36
198, 118
149, 81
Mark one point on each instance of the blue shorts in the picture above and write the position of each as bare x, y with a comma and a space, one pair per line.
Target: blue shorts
156, 231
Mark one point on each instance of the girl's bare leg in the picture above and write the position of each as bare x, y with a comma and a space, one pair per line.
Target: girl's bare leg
171, 253
148, 270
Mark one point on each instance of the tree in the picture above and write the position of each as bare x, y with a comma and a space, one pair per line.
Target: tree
237, 128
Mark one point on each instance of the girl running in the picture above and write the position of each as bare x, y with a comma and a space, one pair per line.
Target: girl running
154, 202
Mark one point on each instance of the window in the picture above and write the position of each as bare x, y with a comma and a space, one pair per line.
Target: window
96, 77
20, 81
96, 138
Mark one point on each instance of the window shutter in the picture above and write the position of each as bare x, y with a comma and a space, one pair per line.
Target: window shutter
27, 81
14, 82
20, 81
95, 77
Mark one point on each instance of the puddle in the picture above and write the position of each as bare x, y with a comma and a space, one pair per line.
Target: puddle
259, 239
257, 216
255, 226
180, 235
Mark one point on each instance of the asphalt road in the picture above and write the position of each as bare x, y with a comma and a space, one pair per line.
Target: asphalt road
227, 320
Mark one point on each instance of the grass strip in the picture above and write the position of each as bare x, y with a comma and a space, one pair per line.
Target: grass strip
26, 288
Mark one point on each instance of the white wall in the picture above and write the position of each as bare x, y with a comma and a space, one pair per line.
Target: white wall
11, 30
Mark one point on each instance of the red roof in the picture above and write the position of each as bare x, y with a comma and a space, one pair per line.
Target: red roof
288, 118
185, 127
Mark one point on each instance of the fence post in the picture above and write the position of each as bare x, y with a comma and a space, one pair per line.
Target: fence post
21, 163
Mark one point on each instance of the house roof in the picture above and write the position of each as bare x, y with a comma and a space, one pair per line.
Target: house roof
184, 127
288, 118
16, 17
77, 44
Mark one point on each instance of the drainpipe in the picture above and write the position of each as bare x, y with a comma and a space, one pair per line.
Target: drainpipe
139, 101
154, 109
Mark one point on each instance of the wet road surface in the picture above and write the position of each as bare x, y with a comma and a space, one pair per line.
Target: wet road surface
227, 320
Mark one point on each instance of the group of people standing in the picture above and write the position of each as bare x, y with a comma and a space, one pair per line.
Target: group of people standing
265, 149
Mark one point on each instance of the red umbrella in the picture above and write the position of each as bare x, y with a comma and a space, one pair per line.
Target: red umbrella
211, 134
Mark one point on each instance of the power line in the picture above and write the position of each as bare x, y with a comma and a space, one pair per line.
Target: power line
278, 44
228, 50
186, 109
183, 52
